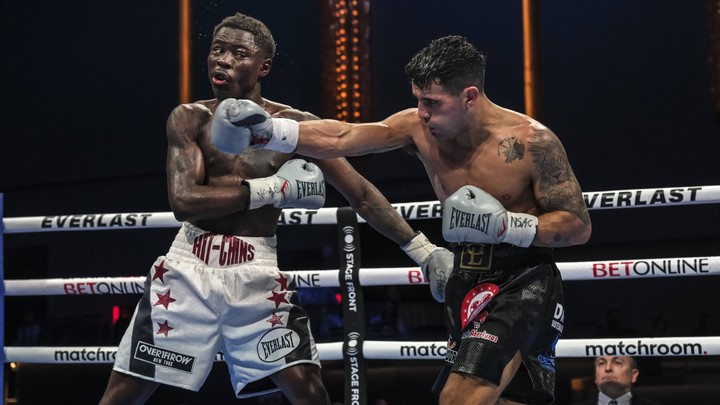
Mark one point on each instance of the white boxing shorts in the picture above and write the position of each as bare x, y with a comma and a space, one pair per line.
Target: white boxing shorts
215, 294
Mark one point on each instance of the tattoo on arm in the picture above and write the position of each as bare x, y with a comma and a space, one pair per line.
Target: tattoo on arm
184, 162
557, 183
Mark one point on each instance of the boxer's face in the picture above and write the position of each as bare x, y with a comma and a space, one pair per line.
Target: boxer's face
235, 64
442, 113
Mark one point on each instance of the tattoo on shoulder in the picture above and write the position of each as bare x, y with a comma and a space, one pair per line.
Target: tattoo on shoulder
557, 183
549, 158
511, 148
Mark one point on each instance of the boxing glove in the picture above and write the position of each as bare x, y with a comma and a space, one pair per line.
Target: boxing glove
470, 215
240, 124
298, 184
436, 263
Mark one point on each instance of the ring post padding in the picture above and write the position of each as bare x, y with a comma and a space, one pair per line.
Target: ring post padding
352, 305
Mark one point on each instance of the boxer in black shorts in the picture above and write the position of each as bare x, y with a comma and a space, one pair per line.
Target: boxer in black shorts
502, 299
504, 180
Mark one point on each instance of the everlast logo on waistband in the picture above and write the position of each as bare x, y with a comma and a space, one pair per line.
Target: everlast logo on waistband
308, 188
462, 219
229, 249
476, 257
161, 357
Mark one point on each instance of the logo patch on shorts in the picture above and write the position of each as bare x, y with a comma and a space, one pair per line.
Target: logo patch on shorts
276, 344
162, 357
476, 257
476, 300
558, 318
481, 334
547, 361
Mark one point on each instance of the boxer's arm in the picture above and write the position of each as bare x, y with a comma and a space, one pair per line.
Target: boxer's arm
565, 220
366, 200
185, 168
436, 262
330, 138
297, 115
321, 139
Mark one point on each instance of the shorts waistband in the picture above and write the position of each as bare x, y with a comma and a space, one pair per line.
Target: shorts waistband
218, 250
490, 257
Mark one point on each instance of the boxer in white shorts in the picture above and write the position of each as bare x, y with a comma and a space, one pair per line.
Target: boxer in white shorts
226, 292
219, 288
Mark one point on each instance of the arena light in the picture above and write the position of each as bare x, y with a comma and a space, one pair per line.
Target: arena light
347, 61
185, 42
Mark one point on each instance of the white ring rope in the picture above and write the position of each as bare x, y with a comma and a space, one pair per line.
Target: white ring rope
590, 270
408, 350
379, 276
649, 197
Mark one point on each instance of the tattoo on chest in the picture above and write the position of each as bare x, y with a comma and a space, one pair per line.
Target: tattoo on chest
511, 148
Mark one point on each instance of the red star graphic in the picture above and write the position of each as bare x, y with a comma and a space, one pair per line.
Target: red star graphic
164, 328
164, 299
275, 319
160, 272
278, 298
283, 282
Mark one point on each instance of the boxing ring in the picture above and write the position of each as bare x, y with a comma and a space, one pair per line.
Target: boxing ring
350, 277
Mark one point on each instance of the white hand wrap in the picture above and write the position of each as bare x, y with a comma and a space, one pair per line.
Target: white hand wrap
436, 263
522, 229
283, 137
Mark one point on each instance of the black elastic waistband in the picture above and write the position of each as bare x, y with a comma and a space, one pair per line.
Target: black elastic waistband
489, 257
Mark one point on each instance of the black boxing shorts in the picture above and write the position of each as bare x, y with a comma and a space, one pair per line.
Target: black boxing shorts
501, 299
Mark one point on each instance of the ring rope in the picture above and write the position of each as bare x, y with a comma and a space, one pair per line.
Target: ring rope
380, 276
638, 198
382, 349
408, 350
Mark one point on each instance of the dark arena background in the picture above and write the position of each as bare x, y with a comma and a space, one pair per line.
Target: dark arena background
632, 88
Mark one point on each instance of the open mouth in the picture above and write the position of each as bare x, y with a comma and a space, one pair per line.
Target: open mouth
220, 78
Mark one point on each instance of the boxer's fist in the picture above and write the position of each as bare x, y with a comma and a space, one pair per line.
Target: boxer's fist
241, 124
229, 130
436, 263
470, 215
298, 184
437, 269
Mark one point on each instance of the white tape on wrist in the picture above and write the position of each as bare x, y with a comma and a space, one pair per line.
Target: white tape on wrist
419, 248
522, 229
262, 191
285, 135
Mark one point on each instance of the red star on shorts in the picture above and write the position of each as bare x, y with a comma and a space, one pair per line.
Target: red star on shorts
164, 299
278, 298
275, 320
283, 282
164, 328
160, 271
